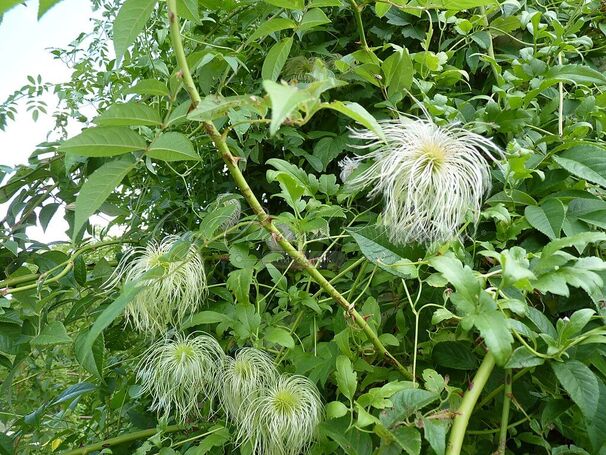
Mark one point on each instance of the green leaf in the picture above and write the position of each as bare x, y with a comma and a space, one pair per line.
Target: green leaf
275, 59
465, 281
288, 4
273, 25
435, 433
313, 18
172, 147
580, 383
128, 114
398, 71
97, 188
346, 377
406, 403
205, 317
523, 358
375, 245
578, 74
492, 325
215, 219
111, 312
284, 100
359, 114
91, 363
129, 23
381, 9
457, 355
335, 409
44, 6
149, 87
279, 336
547, 218
218, 437
239, 282
579, 241
215, 106
408, 438
585, 161
104, 141
457, 5
188, 9
8, 4
52, 333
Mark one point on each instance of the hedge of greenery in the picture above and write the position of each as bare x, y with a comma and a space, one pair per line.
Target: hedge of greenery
336, 226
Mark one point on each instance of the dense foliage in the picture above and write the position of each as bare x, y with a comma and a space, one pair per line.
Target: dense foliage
493, 338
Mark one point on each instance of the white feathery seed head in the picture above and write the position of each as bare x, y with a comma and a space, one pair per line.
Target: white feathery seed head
179, 372
431, 178
282, 420
347, 165
242, 379
165, 298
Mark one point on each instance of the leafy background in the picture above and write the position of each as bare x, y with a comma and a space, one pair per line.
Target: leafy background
526, 284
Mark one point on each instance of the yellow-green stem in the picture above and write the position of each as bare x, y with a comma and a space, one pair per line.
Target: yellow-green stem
266, 221
122, 439
459, 426
505, 413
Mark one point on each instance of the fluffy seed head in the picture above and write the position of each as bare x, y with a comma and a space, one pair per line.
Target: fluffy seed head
178, 372
283, 419
243, 378
168, 297
347, 165
431, 177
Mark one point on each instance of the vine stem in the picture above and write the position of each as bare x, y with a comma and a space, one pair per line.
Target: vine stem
357, 10
265, 219
505, 413
459, 427
122, 439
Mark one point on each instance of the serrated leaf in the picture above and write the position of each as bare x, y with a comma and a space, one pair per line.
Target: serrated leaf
580, 383
129, 23
97, 188
279, 336
172, 147
52, 333
104, 141
275, 59
547, 218
128, 114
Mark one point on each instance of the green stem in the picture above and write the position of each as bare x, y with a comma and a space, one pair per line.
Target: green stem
493, 64
357, 10
505, 414
264, 218
175, 36
496, 391
459, 427
122, 439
